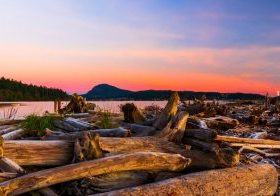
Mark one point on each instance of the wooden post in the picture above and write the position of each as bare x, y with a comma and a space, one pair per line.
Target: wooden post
55, 106
58, 105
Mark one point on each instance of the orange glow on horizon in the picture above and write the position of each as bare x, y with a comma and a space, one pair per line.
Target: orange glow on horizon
194, 69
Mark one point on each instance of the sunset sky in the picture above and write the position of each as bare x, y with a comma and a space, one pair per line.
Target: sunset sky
200, 45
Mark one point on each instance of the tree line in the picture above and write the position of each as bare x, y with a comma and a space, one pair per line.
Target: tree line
12, 90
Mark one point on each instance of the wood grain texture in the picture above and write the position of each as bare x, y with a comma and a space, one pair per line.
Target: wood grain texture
248, 180
147, 161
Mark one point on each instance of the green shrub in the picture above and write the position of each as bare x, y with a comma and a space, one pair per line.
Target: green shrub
35, 125
105, 120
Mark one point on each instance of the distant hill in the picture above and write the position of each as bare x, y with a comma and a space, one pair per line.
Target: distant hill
108, 92
11, 90
105, 91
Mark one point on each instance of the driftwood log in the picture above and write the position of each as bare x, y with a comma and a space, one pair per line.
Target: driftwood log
128, 162
205, 146
115, 132
175, 130
7, 129
243, 181
168, 112
79, 124
207, 135
59, 152
8, 165
117, 180
231, 139
16, 134
140, 130
221, 123
7, 176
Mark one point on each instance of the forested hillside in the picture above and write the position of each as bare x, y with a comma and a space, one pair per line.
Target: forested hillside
11, 90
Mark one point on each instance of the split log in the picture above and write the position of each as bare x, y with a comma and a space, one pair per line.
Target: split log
168, 112
231, 139
175, 133
8, 165
132, 114
147, 161
245, 180
14, 134
207, 135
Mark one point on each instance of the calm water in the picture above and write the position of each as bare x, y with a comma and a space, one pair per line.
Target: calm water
26, 108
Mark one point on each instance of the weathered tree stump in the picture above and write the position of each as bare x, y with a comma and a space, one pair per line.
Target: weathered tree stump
132, 114
168, 112
87, 147
77, 104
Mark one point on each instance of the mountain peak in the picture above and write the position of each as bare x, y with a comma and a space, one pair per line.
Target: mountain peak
103, 91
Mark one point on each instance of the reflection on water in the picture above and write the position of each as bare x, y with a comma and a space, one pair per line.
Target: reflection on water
26, 108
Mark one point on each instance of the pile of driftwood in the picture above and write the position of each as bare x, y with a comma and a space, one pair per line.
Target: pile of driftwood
161, 156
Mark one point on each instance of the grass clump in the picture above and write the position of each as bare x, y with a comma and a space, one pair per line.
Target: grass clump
36, 125
105, 119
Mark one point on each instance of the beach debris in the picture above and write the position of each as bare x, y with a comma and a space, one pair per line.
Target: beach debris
168, 112
152, 151
149, 161
77, 104
132, 114
258, 179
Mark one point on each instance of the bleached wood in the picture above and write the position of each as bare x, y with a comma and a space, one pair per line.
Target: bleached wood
242, 181
148, 161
